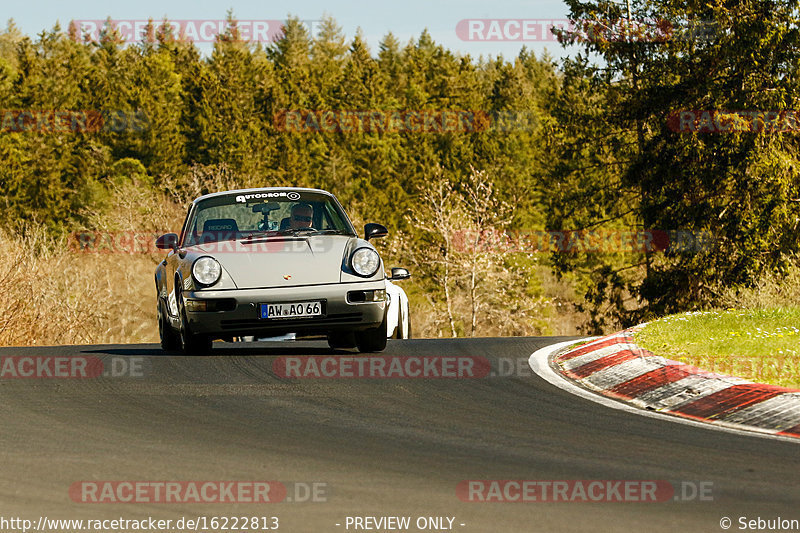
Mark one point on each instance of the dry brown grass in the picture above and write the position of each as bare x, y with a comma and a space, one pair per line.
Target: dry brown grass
770, 291
51, 295
51, 292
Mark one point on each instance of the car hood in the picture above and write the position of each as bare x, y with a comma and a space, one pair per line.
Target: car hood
281, 262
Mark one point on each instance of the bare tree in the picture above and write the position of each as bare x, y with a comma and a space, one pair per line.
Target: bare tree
464, 250
438, 213
483, 262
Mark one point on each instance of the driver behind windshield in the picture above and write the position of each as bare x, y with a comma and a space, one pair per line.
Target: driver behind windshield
302, 215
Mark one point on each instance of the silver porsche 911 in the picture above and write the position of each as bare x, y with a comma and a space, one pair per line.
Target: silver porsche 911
266, 262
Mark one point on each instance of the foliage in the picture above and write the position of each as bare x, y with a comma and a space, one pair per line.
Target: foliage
585, 146
623, 162
473, 287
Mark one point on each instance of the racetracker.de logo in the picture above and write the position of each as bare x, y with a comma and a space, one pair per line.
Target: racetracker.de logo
213, 241
69, 367
21, 367
581, 490
72, 121
177, 492
197, 31
581, 241
720, 121
588, 30
402, 121
382, 367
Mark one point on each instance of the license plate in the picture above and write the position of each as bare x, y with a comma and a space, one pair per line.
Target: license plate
292, 309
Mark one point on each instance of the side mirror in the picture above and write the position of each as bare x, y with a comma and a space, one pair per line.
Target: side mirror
373, 230
399, 274
168, 241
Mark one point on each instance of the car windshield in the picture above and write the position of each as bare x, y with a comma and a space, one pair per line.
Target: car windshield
265, 213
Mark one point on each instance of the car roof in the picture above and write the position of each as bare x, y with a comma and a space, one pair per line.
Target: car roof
261, 189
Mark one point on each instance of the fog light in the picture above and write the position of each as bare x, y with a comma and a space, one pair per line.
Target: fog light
357, 297
379, 295
196, 305
211, 305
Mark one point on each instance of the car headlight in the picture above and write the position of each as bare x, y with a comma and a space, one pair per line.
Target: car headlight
365, 262
206, 270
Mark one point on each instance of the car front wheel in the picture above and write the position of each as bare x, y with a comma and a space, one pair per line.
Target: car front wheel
341, 340
170, 341
192, 343
372, 340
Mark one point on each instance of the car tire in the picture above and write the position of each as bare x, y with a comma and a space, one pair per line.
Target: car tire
373, 339
341, 340
192, 343
170, 340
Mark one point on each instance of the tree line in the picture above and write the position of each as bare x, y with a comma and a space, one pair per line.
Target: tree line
434, 143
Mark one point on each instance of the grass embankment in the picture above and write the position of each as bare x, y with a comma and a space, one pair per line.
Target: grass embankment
761, 345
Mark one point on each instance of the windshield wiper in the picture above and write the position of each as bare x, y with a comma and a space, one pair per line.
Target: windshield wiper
261, 234
295, 231
331, 231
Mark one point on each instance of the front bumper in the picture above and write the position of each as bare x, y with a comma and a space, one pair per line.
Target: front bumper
242, 316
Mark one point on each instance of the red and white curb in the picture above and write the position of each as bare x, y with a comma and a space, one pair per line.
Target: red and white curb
617, 368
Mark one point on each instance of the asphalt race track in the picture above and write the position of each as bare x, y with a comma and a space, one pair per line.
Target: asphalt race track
378, 447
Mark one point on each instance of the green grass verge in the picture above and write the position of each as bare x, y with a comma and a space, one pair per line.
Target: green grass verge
761, 345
